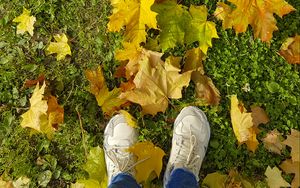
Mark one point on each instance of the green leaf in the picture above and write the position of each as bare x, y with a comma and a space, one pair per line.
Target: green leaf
172, 19
95, 164
200, 29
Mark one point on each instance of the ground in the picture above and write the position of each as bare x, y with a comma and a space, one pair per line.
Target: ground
233, 61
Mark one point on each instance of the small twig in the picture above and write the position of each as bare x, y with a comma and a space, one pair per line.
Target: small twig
82, 132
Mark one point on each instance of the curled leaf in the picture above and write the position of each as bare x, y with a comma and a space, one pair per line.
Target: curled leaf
290, 50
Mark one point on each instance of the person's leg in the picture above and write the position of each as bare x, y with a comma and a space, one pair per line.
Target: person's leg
190, 139
118, 137
123, 180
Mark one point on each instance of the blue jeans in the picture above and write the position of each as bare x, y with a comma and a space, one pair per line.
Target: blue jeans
179, 178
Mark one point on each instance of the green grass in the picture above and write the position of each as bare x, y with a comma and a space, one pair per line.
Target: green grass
233, 61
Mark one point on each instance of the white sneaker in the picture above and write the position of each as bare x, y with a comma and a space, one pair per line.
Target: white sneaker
118, 137
191, 135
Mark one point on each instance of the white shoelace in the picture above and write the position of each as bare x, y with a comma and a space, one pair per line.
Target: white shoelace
190, 161
122, 163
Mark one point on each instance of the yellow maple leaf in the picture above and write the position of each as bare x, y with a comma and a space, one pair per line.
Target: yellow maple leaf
151, 160
242, 124
245, 124
155, 82
60, 47
43, 115
131, 121
257, 13
135, 15
108, 100
25, 22
38, 107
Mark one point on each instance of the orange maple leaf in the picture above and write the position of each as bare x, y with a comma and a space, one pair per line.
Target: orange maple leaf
257, 13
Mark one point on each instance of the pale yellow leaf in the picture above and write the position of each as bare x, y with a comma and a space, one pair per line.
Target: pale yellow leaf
293, 140
25, 22
274, 178
60, 47
38, 107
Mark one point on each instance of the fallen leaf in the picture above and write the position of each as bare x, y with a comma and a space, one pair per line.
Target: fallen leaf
179, 26
172, 19
205, 89
55, 112
31, 83
274, 178
25, 22
155, 82
151, 160
273, 142
44, 114
259, 116
21, 182
215, 180
60, 47
290, 167
232, 180
257, 13
193, 60
242, 123
131, 121
293, 140
6, 184
290, 50
96, 167
199, 29
38, 107
109, 101
135, 15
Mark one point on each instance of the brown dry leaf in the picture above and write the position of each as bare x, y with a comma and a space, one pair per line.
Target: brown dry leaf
31, 83
293, 140
259, 116
290, 167
290, 50
205, 89
55, 112
273, 142
108, 100
274, 178
257, 13
150, 158
155, 82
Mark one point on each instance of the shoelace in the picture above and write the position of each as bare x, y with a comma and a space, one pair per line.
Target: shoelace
190, 161
125, 162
